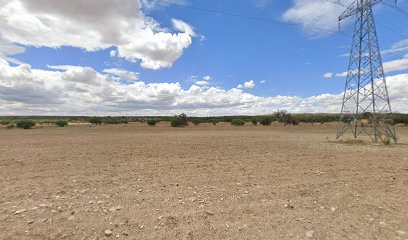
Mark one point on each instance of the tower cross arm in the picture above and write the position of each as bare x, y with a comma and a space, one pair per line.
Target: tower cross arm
357, 6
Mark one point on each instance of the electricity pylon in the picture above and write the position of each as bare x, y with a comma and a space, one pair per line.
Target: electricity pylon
366, 102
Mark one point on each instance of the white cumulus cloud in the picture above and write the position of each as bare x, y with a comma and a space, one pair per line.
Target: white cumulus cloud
123, 74
317, 16
183, 27
75, 90
92, 25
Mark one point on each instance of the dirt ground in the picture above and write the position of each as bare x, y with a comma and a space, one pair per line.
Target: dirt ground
205, 182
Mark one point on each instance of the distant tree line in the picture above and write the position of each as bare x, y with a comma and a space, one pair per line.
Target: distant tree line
182, 120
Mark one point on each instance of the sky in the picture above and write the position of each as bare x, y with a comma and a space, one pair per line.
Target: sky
203, 58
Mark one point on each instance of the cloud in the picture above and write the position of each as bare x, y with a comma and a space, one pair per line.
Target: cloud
250, 84
75, 90
328, 75
202, 83
7, 49
207, 78
263, 82
151, 5
317, 16
123, 74
92, 25
184, 27
389, 67
113, 53
396, 65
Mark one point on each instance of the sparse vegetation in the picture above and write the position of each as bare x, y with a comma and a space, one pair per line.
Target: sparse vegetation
11, 126
254, 121
179, 121
26, 124
151, 122
281, 116
286, 118
266, 121
238, 122
95, 120
4, 122
61, 123
196, 121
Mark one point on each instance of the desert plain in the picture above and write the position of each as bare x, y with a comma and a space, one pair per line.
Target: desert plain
200, 182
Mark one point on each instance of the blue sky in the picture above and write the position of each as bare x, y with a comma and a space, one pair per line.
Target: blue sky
224, 65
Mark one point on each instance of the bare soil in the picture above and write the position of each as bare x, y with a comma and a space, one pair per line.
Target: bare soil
204, 182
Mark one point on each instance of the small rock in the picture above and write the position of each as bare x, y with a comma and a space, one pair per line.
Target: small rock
288, 205
20, 211
333, 209
72, 218
310, 234
30, 222
209, 213
114, 209
192, 199
108, 233
401, 232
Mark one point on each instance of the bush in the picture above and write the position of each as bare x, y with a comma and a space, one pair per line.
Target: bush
151, 122
228, 119
61, 123
238, 122
286, 118
176, 122
26, 124
254, 121
179, 121
95, 120
11, 126
266, 121
114, 120
4, 122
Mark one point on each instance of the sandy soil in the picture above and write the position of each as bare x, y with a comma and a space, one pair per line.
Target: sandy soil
205, 182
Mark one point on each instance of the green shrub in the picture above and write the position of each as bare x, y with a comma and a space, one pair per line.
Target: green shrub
25, 124
95, 120
238, 122
286, 118
266, 121
176, 122
11, 126
4, 122
61, 123
254, 121
179, 121
227, 119
151, 122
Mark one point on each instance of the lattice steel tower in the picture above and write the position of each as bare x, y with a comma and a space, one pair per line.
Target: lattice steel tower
366, 102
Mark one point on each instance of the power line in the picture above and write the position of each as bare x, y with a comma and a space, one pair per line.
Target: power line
247, 17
